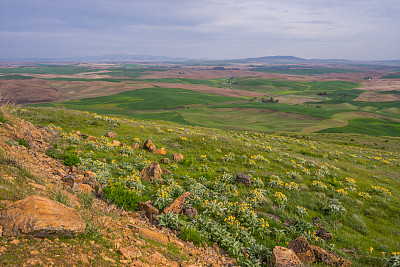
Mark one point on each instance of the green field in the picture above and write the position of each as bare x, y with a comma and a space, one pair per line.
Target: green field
143, 99
15, 77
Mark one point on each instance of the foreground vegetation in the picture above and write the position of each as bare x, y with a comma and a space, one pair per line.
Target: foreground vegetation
352, 186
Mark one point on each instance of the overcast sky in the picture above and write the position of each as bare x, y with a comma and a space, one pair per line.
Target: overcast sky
218, 29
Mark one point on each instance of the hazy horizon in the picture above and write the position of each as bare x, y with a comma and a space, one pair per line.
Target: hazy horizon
340, 29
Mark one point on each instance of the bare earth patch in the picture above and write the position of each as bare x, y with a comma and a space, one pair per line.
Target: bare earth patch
377, 97
381, 85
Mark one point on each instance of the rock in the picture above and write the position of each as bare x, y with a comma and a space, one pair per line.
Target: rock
135, 146
111, 134
303, 250
273, 217
91, 138
40, 217
116, 143
284, 257
157, 259
130, 252
138, 263
165, 160
243, 179
325, 235
15, 242
177, 157
178, 204
69, 180
148, 145
149, 234
60, 172
82, 188
190, 212
151, 172
1, 230
160, 151
89, 174
150, 211
91, 181
329, 258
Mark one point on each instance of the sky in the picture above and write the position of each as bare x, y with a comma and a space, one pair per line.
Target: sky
211, 29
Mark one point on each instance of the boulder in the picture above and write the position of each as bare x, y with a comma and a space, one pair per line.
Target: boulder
325, 235
135, 146
150, 211
40, 217
130, 252
165, 160
151, 172
111, 134
303, 250
70, 180
177, 157
178, 204
91, 138
284, 257
243, 179
116, 143
329, 258
160, 151
148, 145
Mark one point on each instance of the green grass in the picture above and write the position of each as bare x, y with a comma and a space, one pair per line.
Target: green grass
336, 90
15, 77
300, 158
375, 127
302, 70
143, 99
391, 76
51, 69
212, 83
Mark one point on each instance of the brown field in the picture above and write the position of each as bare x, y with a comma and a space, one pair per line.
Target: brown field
28, 91
377, 97
381, 85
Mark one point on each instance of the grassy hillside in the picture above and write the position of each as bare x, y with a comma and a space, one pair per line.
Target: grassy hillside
353, 187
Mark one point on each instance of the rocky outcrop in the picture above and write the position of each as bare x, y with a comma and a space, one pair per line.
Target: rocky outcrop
111, 134
178, 204
329, 258
151, 172
303, 250
284, 257
177, 157
325, 235
148, 145
243, 179
160, 151
40, 217
150, 211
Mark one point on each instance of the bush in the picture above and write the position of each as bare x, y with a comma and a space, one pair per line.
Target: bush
23, 142
189, 233
2, 119
70, 158
123, 197
54, 153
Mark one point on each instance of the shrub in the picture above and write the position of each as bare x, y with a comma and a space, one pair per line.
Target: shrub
2, 119
23, 142
54, 153
189, 233
123, 197
70, 158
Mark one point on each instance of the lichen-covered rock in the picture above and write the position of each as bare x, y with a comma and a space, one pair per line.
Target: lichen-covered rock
303, 250
40, 217
178, 204
177, 157
190, 212
135, 146
325, 235
285, 257
111, 134
151, 172
243, 179
160, 151
150, 211
329, 258
148, 145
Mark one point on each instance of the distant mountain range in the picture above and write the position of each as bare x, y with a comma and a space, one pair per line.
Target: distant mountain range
115, 58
